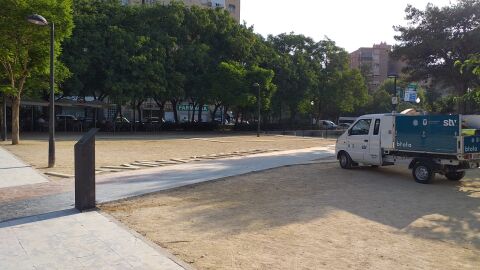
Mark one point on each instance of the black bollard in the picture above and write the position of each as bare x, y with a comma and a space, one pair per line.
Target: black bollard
85, 171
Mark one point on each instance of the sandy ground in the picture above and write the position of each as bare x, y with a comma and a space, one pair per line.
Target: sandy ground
314, 217
123, 148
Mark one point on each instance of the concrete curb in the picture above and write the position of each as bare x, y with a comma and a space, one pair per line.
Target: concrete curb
147, 241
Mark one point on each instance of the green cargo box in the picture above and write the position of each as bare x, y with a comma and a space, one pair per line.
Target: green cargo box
428, 133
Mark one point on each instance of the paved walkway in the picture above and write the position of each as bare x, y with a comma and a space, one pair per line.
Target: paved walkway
70, 240
115, 186
65, 239
14, 172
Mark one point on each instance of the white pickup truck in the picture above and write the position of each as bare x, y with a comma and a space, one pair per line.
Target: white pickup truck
429, 144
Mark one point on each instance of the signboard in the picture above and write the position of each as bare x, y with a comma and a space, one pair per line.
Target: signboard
412, 87
189, 107
394, 100
410, 96
427, 133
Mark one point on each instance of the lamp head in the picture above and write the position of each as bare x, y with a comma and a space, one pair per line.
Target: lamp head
37, 19
256, 85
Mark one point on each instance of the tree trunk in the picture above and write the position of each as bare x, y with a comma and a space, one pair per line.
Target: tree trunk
139, 110
175, 112
225, 114
161, 106
134, 116
193, 111
214, 112
15, 120
200, 112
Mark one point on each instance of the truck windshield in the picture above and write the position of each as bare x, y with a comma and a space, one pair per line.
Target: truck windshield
362, 127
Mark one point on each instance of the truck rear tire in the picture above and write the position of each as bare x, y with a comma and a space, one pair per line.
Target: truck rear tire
345, 160
455, 176
422, 173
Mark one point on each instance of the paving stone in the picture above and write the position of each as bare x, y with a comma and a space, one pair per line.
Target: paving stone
79, 248
14, 172
121, 167
179, 160
62, 175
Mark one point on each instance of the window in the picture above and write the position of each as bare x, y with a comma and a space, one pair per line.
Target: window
231, 8
376, 128
362, 127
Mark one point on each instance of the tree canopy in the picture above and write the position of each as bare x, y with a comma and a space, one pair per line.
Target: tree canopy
435, 38
24, 53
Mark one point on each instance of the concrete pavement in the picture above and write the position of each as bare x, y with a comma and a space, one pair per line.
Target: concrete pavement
14, 172
70, 240
122, 185
66, 239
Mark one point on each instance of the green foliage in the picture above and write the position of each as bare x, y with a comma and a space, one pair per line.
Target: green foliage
25, 47
177, 53
435, 38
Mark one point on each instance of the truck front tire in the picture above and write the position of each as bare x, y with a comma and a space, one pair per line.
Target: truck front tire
422, 173
345, 160
455, 176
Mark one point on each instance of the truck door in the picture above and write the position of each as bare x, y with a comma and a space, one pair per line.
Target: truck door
374, 156
358, 140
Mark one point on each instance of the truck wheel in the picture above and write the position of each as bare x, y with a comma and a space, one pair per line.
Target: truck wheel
455, 176
345, 160
422, 173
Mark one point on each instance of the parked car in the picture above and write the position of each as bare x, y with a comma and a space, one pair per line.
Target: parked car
327, 124
344, 125
153, 120
66, 122
122, 119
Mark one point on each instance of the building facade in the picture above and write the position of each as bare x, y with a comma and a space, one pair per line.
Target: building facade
376, 63
233, 6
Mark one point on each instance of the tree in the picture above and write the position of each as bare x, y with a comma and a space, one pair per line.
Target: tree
338, 89
228, 85
294, 70
436, 38
471, 66
25, 47
88, 54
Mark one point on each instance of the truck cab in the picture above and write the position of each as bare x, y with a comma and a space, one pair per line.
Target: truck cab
362, 142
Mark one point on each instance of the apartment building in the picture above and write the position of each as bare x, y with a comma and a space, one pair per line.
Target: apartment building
378, 63
233, 6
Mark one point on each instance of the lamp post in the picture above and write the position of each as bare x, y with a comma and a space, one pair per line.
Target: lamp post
311, 114
256, 85
40, 20
4, 117
394, 77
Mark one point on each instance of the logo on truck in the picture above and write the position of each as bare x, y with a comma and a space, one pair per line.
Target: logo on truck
404, 144
449, 123
469, 149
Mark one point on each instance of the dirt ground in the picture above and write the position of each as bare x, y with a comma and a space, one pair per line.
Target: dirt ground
314, 217
122, 148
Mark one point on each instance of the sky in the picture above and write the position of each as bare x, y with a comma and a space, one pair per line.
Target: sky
350, 23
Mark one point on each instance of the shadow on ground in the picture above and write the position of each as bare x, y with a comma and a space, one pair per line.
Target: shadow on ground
445, 210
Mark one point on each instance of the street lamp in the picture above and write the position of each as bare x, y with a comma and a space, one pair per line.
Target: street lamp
4, 117
394, 77
256, 85
40, 20
311, 114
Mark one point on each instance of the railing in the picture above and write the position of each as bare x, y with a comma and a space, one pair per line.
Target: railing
85, 171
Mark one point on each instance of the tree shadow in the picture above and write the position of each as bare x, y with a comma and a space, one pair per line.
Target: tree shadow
445, 210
